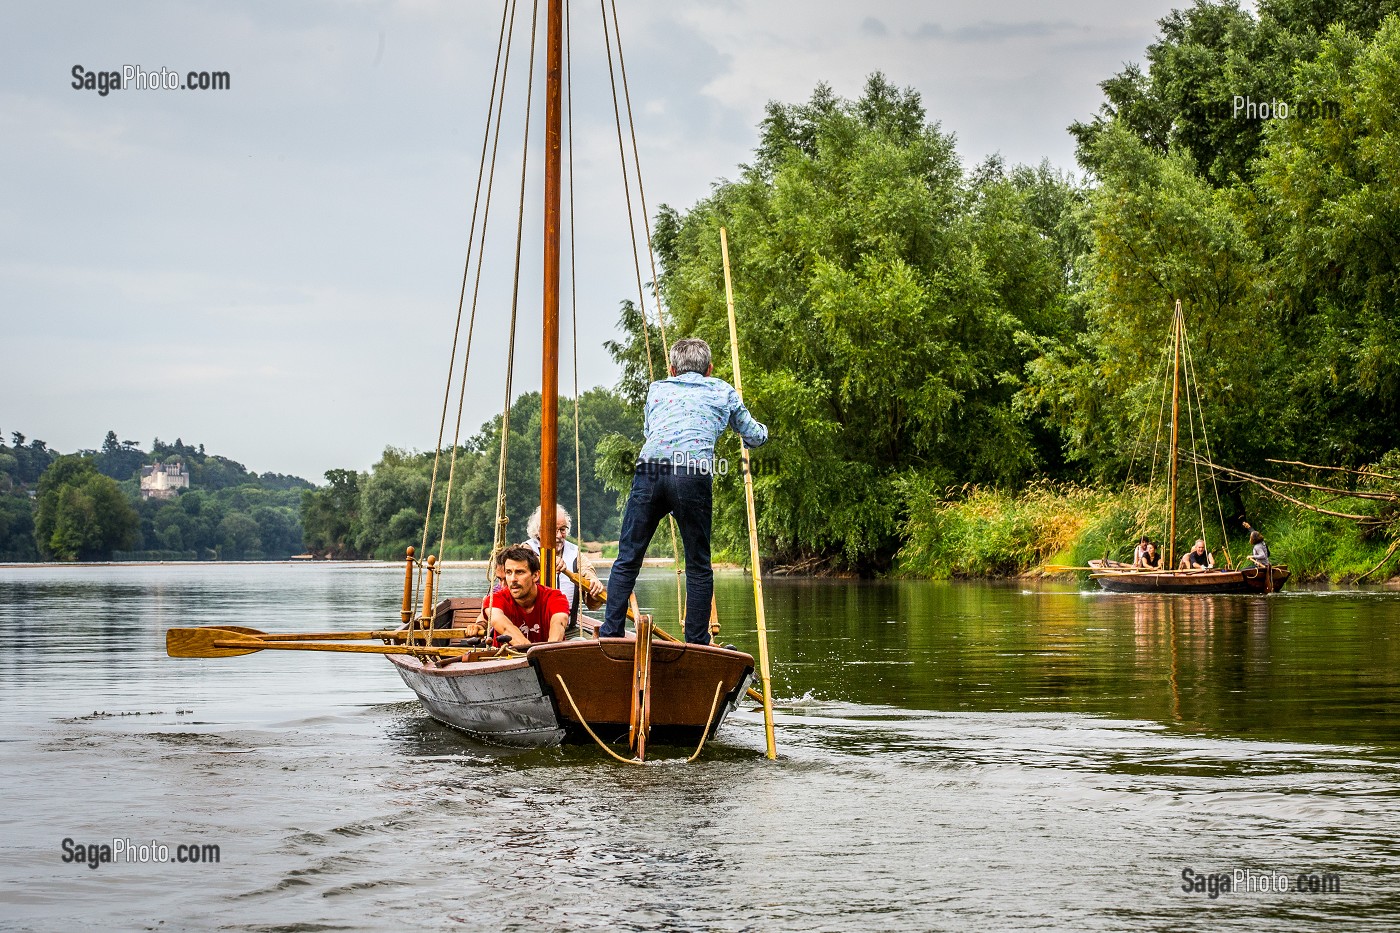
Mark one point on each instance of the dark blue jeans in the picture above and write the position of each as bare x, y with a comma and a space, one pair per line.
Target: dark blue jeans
659, 488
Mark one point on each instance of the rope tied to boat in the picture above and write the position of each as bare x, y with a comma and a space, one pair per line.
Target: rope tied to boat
704, 736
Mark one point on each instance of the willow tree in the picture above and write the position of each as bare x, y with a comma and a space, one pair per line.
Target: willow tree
884, 296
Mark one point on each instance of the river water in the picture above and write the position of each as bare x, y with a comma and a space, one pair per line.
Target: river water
953, 757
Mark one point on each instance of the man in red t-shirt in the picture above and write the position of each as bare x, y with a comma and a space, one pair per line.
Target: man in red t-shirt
526, 612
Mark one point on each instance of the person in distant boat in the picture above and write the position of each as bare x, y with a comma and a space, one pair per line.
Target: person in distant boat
525, 612
1198, 558
1145, 555
572, 559
674, 474
1260, 553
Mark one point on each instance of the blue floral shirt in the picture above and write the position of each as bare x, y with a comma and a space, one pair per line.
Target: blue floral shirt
686, 414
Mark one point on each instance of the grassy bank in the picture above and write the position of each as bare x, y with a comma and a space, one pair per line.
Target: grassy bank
980, 532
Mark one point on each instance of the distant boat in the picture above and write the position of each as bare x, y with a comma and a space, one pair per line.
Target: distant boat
1119, 577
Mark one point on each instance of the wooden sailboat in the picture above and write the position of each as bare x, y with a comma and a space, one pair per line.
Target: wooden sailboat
1119, 577
630, 691
612, 690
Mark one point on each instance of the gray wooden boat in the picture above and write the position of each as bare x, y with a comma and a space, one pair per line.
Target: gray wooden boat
558, 693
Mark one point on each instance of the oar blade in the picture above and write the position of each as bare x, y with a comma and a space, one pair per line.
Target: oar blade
203, 643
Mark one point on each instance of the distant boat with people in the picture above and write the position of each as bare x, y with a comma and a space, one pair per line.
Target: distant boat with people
1195, 570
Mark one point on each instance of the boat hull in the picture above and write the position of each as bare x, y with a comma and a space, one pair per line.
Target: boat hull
523, 703
1246, 580
496, 702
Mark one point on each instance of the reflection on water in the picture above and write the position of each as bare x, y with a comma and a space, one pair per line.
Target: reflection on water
954, 757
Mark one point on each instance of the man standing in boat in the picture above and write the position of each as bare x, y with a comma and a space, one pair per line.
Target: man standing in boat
525, 612
685, 415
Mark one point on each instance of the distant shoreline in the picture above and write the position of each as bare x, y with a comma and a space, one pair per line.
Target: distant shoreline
477, 564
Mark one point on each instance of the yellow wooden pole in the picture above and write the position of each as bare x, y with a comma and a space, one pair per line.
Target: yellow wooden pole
763, 671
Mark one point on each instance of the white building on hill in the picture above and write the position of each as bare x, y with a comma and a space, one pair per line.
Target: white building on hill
161, 480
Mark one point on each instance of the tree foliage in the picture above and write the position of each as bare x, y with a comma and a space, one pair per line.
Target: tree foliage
380, 512
81, 514
1278, 235
884, 299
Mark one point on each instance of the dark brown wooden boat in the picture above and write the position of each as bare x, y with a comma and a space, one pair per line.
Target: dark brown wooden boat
1117, 577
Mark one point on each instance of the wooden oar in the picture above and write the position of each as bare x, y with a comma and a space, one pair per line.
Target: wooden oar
222, 643
419, 634
656, 630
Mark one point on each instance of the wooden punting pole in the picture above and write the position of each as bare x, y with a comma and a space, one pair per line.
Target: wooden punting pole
549, 382
763, 671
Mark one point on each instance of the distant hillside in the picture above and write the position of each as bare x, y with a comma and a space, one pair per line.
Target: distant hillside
88, 505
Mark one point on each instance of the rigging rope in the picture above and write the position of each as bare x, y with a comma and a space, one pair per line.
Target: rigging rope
1220, 511
506, 40
636, 263
573, 279
1157, 439
498, 540
1137, 442
627, 192
497, 75
1190, 422
641, 189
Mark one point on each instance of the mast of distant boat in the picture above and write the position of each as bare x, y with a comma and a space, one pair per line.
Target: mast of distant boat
1178, 334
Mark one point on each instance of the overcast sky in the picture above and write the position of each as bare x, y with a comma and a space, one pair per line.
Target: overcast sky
272, 270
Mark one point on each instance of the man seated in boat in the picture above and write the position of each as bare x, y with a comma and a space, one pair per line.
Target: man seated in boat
1145, 556
1198, 558
674, 474
572, 559
499, 573
526, 613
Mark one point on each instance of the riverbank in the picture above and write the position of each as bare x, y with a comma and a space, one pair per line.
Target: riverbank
977, 532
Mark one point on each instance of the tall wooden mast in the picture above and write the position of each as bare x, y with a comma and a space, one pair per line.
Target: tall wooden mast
1178, 329
549, 383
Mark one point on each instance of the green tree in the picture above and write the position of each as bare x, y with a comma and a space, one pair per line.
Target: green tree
239, 537
1206, 56
1160, 233
81, 514
1327, 208
329, 515
884, 296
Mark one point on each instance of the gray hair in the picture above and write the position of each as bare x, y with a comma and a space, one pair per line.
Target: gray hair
691, 355
532, 527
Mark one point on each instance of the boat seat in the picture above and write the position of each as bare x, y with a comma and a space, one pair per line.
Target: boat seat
457, 613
